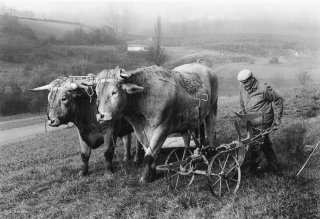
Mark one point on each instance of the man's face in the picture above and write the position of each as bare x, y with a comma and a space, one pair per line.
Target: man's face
247, 84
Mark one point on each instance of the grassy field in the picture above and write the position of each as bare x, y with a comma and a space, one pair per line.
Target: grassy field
38, 179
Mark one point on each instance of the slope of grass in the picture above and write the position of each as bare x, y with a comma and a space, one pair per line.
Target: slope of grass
39, 179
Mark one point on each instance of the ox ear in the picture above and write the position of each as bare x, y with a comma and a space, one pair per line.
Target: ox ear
131, 88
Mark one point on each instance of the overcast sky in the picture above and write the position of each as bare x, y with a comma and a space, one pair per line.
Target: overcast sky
177, 10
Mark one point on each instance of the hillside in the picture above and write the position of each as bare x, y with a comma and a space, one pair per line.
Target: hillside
39, 177
28, 61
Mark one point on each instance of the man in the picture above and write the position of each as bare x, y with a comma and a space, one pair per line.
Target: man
256, 96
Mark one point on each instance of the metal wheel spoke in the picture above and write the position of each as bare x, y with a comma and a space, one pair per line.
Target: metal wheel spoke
232, 169
227, 186
177, 181
225, 163
214, 174
220, 187
220, 163
216, 182
184, 153
185, 165
191, 181
234, 180
176, 173
176, 156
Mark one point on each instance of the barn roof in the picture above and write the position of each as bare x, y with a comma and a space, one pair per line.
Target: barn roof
145, 42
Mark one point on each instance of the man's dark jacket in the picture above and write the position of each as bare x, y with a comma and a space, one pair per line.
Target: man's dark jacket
259, 99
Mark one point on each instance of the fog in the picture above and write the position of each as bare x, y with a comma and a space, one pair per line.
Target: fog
143, 13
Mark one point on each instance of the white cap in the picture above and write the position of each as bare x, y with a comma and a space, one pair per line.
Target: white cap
244, 75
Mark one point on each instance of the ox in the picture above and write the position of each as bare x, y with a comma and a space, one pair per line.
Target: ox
158, 102
76, 102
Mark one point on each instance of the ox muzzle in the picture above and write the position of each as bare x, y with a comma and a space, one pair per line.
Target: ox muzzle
54, 122
102, 117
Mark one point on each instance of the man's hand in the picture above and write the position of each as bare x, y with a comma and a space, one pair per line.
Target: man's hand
277, 122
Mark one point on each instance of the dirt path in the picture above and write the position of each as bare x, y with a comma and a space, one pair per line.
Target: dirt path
19, 129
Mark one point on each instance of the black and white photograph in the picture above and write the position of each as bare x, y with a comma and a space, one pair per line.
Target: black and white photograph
159, 109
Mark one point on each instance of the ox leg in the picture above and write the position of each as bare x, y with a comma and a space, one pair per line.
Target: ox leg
109, 140
186, 139
85, 156
138, 157
211, 123
126, 140
150, 157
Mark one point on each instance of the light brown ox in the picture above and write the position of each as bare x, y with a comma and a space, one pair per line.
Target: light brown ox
158, 102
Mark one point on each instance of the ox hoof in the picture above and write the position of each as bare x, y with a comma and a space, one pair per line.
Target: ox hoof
126, 159
110, 172
150, 178
110, 169
107, 175
83, 173
137, 163
143, 180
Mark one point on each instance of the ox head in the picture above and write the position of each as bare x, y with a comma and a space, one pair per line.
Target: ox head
63, 100
113, 89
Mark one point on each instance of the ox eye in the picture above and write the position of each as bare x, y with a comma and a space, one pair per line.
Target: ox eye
64, 98
114, 92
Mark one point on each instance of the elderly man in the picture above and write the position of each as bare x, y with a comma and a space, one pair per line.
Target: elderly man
256, 96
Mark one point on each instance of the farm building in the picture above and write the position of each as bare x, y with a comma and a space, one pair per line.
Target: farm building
139, 45
136, 47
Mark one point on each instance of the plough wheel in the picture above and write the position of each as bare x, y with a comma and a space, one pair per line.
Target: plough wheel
224, 174
179, 174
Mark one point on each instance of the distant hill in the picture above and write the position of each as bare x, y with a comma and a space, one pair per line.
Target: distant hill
44, 28
260, 34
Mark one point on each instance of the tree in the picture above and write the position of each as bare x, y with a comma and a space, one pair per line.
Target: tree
303, 77
127, 19
120, 18
158, 54
114, 17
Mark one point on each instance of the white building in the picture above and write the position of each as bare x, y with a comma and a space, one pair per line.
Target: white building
139, 45
136, 47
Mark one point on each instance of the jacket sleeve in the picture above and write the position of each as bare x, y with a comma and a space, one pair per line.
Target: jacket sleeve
242, 108
277, 100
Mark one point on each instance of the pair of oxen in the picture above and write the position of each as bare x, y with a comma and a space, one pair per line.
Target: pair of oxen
151, 101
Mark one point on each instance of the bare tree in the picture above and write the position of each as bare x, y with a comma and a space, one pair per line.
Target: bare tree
158, 39
127, 19
120, 18
157, 53
303, 77
113, 17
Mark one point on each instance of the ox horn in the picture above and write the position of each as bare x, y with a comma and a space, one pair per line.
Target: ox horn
45, 87
124, 75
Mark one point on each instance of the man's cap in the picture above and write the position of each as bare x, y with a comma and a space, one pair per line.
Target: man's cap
244, 75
